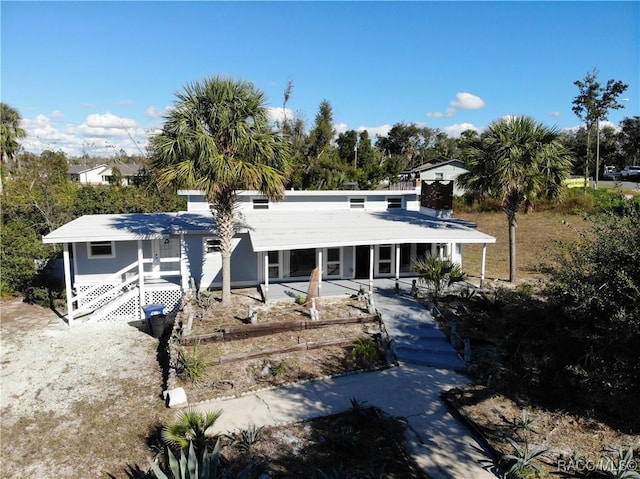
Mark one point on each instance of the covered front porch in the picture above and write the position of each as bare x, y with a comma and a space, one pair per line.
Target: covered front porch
334, 287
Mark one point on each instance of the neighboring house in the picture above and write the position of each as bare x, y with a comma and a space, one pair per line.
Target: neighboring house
88, 175
441, 170
103, 174
114, 264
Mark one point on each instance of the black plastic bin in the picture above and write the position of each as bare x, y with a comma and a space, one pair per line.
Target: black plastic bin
155, 319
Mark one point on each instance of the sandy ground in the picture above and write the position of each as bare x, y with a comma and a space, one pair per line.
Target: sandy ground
58, 373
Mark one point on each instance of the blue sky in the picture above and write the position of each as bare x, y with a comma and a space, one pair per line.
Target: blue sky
97, 76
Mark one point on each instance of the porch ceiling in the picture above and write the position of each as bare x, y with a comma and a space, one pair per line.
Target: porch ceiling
278, 230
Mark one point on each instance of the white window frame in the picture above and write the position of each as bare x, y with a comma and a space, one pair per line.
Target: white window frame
325, 266
91, 255
260, 203
359, 203
390, 261
394, 202
439, 175
205, 246
277, 264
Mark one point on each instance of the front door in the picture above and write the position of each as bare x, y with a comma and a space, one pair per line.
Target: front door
362, 262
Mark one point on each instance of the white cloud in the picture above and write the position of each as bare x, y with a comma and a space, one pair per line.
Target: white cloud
340, 128
57, 115
152, 112
376, 131
100, 135
277, 115
467, 101
108, 120
449, 112
455, 130
555, 114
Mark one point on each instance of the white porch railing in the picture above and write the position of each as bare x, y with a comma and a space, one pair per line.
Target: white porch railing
107, 290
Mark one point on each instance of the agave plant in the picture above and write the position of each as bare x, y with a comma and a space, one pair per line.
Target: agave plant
624, 465
245, 439
520, 462
188, 466
190, 428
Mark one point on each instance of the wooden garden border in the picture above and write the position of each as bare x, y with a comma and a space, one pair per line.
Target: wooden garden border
270, 352
265, 329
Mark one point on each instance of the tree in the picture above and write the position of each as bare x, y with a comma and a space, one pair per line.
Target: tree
518, 160
596, 283
592, 105
438, 273
217, 139
10, 133
629, 139
322, 134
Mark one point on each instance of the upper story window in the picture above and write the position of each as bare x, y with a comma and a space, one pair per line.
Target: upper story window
101, 249
394, 203
261, 203
439, 176
356, 203
211, 245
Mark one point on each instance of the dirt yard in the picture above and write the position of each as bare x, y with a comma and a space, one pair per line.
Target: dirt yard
74, 402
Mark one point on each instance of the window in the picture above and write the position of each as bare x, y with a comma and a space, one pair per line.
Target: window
211, 245
356, 203
302, 262
261, 203
405, 258
439, 176
394, 203
333, 261
274, 264
101, 249
385, 257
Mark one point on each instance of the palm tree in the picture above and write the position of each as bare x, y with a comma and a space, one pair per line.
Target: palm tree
191, 427
10, 133
438, 273
518, 160
217, 139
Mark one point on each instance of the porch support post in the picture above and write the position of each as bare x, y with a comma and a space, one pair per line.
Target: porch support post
482, 266
141, 278
319, 266
397, 267
371, 258
184, 274
266, 276
67, 283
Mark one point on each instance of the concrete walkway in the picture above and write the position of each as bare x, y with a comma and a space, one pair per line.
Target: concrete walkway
437, 441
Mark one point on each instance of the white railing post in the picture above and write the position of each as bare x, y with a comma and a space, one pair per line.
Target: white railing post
482, 267
319, 272
141, 278
266, 276
371, 258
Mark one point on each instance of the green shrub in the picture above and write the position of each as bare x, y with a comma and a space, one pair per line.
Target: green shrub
192, 365
365, 352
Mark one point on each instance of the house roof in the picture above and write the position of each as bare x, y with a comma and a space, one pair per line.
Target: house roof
123, 227
277, 230
78, 169
433, 166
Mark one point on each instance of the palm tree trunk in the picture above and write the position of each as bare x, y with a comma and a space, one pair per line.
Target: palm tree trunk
223, 211
513, 270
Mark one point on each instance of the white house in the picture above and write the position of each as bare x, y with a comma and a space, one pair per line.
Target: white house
103, 174
115, 264
442, 171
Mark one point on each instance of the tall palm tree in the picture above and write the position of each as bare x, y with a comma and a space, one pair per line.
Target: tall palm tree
518, 160
217, 138
10, 133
